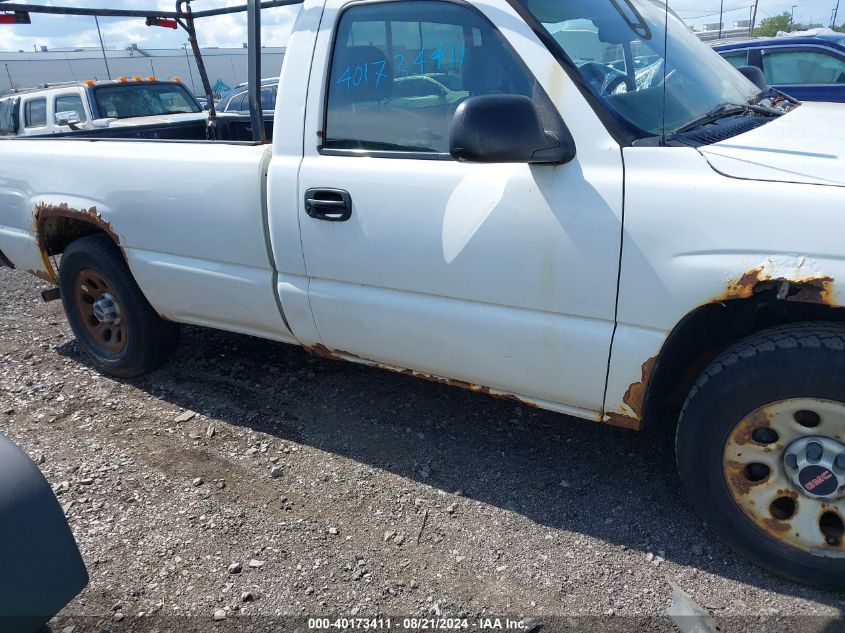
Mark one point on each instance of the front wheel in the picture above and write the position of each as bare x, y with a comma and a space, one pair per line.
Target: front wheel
761, 451
112, 320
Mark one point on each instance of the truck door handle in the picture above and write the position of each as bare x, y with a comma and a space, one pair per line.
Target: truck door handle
331, 205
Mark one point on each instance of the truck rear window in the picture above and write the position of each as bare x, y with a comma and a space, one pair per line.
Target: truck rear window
123, 101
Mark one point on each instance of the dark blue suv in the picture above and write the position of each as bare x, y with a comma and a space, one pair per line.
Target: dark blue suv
809, 68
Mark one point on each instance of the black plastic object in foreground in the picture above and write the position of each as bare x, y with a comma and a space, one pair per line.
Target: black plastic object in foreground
40, 566
506, 129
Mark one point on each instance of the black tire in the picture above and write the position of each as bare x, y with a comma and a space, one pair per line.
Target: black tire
804, 360
149, 340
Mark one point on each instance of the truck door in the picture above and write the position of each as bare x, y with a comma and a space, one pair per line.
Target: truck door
499, 275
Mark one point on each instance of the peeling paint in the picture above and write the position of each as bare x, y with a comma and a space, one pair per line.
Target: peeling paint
630, 416
45, 213
324, 352
635, 395
795, 279
624, 421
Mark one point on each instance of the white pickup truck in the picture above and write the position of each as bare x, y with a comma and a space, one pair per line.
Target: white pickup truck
92, 105
540, 218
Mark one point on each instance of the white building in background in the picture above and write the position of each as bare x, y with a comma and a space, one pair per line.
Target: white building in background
227, 65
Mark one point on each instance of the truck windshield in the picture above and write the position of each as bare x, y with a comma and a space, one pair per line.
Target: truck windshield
619, 48
128, 100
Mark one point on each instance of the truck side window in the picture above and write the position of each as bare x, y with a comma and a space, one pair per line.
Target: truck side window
68, 103
737, 60
399, 71
35, 113
803, 67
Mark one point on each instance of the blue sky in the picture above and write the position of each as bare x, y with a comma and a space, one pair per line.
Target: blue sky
66, 31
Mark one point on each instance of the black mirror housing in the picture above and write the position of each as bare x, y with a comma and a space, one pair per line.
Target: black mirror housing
506, 129
42, 567
757, 77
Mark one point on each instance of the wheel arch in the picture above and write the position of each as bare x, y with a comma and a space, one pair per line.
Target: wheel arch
711, 328
58, 225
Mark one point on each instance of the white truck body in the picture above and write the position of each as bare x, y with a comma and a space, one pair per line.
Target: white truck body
628, 246
557, 285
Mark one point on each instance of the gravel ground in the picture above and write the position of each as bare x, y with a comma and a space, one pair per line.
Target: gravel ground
249, 478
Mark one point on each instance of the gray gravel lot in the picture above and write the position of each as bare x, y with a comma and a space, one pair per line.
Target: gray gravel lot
388, 495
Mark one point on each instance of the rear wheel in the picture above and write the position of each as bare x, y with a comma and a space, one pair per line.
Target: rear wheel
112, 320
761, 451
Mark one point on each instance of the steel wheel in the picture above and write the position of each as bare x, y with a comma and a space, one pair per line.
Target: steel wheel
784, 465
100, 311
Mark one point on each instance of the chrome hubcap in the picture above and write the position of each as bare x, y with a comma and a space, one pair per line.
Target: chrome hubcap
816, 466
784, 465
107, 310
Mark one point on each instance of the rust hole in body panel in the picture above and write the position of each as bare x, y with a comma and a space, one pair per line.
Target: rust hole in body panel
67, 222
634, 398
635, 395
816, 289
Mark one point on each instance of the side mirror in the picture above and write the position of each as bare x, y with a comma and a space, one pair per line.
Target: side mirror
757, 77
69, 117
506, 129
43, 568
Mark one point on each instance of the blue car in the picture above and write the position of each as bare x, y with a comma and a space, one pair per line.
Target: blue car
808, 68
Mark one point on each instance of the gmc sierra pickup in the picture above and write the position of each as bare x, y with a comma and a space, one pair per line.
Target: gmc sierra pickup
569, 203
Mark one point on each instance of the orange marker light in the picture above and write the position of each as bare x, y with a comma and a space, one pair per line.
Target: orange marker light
178, 80
137, 78
89, 82
122, 80
151, 78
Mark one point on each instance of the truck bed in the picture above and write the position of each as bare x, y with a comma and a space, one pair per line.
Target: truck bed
192, 227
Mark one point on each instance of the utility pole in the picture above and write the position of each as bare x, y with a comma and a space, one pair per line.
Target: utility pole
191, 72
792, 17
835, 15
721, 12
754, 17
11, 83
103, 47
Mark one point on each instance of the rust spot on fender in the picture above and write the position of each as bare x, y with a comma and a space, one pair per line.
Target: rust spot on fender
623, 421
635, 395
632, 417
816, 289
47, 213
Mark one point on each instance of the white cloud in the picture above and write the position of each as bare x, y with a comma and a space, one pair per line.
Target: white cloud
230, 30
79, 31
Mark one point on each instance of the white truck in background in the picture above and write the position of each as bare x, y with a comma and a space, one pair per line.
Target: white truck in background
568, 232
53, 109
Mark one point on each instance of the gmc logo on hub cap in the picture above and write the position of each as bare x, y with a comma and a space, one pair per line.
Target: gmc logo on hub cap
818, 481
